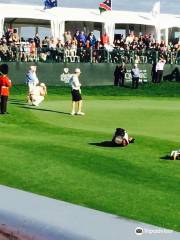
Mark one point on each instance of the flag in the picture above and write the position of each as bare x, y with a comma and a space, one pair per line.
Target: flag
50, 4
156, 10
105, 6
156, 17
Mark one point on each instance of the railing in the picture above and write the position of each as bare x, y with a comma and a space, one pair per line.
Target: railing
88, 55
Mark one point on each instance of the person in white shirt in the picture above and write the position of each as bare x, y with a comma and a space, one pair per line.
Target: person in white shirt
159, 69
76, 93
31, 80
121, 138
37, 94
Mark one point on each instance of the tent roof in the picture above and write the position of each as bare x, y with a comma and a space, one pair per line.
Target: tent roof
79, 14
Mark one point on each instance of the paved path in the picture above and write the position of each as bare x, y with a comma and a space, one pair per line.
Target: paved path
57, 220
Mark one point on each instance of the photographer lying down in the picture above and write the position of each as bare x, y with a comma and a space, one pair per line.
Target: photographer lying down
121, 138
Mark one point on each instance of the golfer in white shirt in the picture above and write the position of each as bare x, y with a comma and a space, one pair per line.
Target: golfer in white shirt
76, 93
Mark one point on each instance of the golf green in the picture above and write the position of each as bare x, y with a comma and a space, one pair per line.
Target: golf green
47, 151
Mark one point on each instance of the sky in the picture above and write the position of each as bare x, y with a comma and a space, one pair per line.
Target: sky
167, 6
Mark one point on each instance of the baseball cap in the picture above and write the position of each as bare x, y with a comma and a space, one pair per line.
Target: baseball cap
77, 70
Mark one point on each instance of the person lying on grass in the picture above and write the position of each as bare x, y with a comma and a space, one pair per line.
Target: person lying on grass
121, 138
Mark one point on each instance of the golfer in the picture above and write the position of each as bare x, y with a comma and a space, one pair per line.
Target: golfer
76, 93
37, 94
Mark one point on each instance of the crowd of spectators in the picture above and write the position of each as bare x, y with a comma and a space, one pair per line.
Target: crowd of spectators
79, 47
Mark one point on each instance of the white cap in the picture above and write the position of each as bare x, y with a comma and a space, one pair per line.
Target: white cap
66, 70
33, 68
77, 70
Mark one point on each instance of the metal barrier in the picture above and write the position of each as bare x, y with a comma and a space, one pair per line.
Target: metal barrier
87, 55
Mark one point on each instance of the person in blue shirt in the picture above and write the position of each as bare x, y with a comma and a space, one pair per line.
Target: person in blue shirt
31, 80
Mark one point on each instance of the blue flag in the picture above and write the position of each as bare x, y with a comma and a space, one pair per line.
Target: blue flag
50, 4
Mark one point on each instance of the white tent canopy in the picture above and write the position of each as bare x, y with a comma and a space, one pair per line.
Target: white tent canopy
57, 16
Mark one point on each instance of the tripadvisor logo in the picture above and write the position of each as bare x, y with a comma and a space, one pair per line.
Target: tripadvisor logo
139, 231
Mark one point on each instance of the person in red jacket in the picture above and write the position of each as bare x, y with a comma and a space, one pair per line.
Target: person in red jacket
105, 39
5, 84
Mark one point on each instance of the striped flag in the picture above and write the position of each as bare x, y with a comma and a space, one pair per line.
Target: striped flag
50, 4
105, 6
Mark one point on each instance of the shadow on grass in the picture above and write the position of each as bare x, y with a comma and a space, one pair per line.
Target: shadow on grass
169, 158
16, 100
105, 144
45, 110
166, 158
18, 103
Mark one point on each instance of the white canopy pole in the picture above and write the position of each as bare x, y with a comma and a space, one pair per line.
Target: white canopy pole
57, 28
61, 30
156, 17
1, 26
109, 28
166, 36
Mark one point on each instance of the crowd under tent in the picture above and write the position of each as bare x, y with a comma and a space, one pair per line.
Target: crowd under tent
59, 20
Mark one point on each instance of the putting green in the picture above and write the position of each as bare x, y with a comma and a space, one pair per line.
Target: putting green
146, 117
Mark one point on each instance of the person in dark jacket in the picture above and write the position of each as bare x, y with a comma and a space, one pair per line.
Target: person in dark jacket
122, 72
116, 76
153, 72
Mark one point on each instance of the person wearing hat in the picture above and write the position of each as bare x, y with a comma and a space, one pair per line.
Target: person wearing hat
76, 93
5, 84
31, 80
135, 73
65, 76
31, 77
37, 94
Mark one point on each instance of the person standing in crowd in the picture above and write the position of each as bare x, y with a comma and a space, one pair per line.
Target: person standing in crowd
122, 72
135, 73
105, 39
159, 69
31, 79
5, 84
116, 75
153, 72
37, 43
76, 93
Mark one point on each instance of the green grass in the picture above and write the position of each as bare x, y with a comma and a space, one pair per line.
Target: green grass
46, 151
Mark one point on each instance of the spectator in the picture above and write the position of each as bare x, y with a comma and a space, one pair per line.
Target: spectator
105, 39
92, 39
116, 76
135, 73
81, 39
15, 36
159, 69
37, 42
122, 72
